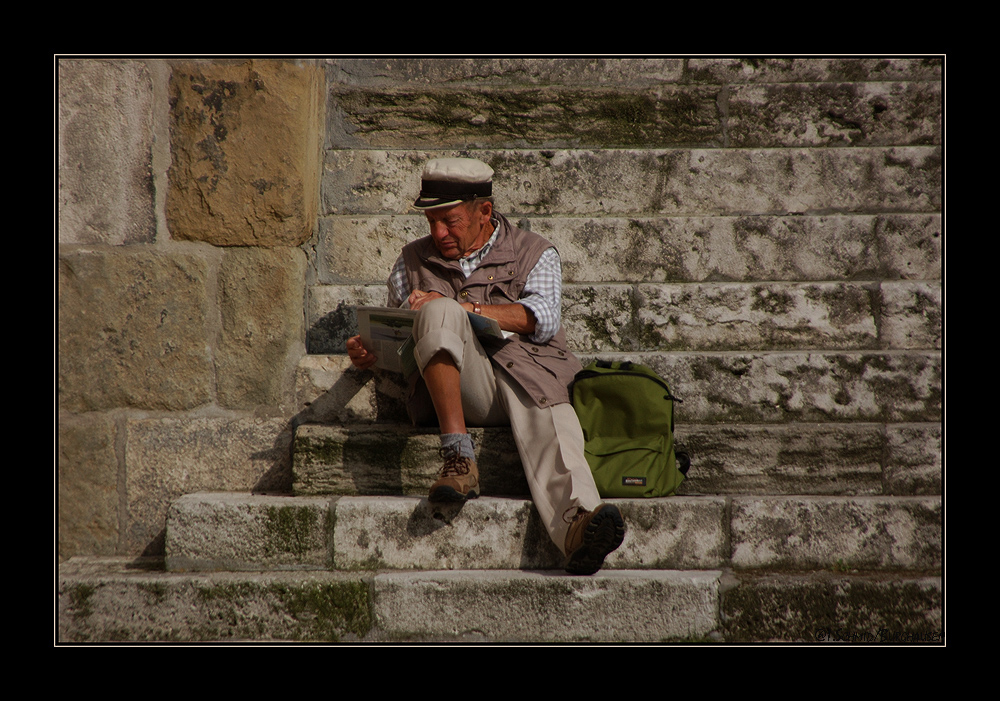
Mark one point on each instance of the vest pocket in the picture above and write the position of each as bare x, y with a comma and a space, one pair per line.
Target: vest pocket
504, 292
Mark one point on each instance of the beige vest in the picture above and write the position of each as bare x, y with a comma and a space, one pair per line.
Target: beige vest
544, 370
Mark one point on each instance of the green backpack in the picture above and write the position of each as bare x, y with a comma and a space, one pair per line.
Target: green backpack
627, 414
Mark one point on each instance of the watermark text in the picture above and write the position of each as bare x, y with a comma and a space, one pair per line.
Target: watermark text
881, 635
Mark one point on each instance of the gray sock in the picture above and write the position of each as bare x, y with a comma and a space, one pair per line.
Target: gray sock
460, 443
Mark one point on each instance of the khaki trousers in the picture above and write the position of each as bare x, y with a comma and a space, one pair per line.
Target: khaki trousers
549, 440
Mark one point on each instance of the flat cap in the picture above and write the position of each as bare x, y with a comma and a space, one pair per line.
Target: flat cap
448, 181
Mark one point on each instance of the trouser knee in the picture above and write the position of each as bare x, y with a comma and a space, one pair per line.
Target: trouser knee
437, 314
441, 325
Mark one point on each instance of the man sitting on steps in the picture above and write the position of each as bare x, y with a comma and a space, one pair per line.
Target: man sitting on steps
474, 260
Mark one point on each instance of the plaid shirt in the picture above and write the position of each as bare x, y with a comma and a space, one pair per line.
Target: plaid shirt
542, 290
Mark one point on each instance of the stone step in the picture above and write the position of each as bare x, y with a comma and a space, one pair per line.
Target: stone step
702, 316
744, 459
783, 264
766, 387
609, 113
541, 606
213, 531
689, 182
113, 600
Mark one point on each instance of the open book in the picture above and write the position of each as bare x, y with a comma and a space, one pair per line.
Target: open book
387, 332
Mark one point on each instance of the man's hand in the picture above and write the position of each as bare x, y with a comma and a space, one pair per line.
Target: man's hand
359, 355
419, 298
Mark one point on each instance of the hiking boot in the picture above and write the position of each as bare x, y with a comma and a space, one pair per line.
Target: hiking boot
457, 481
592, 536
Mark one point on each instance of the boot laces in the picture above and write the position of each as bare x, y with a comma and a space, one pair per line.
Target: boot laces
454, 464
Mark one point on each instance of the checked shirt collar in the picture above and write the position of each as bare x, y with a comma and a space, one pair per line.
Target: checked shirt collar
470, 263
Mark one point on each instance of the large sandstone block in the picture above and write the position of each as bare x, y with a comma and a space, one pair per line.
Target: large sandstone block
782, 458
169, 457
811, 458
245, 146
88, 485
243, 532
105, 152
914, 459
777, 387
811, 532
720, 316
677, 182
363, 249
260, 298
749, 248
912, 314
417, 116
676, 532
514, 606
834, 114
133, 330
110, 601
833, 608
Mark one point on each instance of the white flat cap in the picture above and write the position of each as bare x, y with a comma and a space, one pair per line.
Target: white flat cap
448, 181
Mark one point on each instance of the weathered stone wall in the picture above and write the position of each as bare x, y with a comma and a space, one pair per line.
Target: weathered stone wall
765, 233
185, 191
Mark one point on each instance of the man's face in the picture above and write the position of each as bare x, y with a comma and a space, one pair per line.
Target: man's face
460, 229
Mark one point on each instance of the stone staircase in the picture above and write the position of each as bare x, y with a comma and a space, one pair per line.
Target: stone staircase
359, 555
